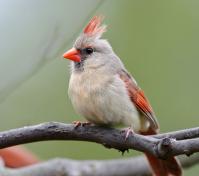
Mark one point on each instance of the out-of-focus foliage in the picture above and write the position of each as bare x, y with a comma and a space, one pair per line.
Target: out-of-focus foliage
157, 41
34, 32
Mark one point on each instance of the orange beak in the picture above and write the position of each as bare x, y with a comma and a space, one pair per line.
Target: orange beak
72, 54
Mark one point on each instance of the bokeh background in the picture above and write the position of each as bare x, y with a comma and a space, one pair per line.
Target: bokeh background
157, 40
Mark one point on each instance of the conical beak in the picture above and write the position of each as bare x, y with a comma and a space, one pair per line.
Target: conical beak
72, 54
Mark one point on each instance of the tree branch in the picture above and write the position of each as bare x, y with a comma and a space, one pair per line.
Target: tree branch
161, 146
182, 134
68, 167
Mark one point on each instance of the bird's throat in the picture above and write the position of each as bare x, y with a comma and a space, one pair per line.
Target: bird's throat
79, 66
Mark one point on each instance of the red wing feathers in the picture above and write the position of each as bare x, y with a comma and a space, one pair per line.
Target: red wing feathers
166, 167
138, 98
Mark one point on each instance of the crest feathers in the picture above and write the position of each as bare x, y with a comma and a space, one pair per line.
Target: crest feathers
94, 27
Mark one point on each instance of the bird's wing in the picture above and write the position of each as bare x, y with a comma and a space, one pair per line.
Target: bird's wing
138, 98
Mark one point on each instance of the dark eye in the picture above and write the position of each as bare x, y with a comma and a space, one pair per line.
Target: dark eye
88, 50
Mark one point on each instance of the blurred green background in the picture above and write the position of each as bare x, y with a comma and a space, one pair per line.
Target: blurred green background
157, 40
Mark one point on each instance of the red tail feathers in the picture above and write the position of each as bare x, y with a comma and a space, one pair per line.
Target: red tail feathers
168, 167
17, 156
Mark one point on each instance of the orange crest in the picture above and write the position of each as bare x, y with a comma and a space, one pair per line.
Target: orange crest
94, 27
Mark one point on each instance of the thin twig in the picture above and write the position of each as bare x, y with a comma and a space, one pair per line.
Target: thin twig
181, 134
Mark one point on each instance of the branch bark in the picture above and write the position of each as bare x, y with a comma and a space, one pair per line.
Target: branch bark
161, 146
68, 167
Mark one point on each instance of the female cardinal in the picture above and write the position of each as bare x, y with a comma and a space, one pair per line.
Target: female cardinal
102, 90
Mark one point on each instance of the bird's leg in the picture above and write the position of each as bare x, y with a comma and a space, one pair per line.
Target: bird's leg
128, 132
78, 123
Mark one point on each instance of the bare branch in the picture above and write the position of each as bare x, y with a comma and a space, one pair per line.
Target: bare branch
109, 137
68, 167
182, 134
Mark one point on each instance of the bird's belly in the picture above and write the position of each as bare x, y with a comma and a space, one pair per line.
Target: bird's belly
105, 104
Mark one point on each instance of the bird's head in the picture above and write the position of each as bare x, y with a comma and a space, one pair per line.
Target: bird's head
90, 50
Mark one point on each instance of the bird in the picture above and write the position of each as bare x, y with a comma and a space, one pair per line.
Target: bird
105, 93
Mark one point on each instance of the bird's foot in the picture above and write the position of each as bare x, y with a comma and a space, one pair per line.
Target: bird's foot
78, 123
86, 123
128, 132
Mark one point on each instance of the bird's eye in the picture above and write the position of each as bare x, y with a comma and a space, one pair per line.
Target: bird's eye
89, 50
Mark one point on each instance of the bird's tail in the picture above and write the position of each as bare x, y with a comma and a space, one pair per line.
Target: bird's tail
168, 167
17, 156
